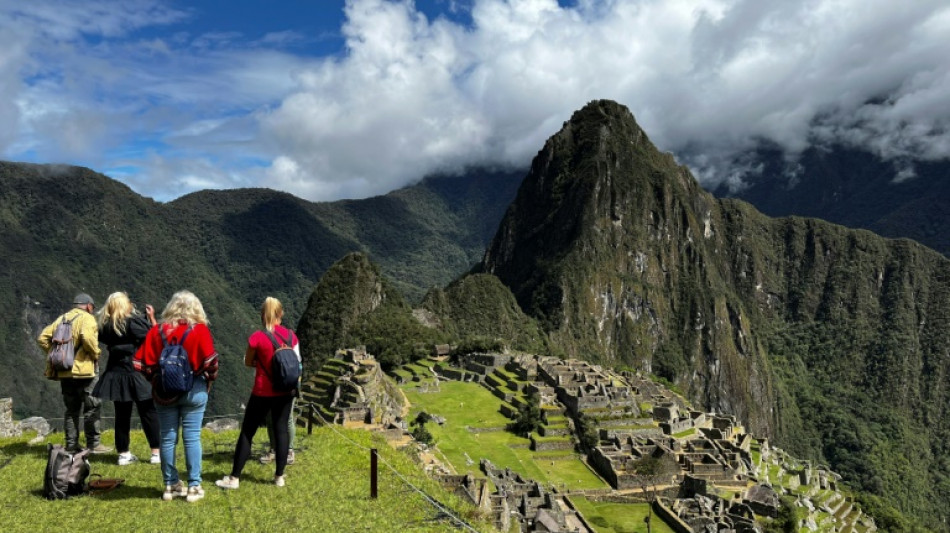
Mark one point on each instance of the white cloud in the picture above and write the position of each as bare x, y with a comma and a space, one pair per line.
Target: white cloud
412, 95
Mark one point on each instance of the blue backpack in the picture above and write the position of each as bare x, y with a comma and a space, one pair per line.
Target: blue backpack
285, 366
177, 377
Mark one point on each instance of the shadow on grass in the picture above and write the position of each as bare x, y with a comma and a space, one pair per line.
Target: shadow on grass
22, 448
122, 492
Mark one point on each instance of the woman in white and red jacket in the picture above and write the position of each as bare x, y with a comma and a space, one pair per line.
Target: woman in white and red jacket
264, 397
183, 322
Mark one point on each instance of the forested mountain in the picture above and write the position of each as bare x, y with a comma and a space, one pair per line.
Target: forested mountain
69, 229
830, 340
855, 188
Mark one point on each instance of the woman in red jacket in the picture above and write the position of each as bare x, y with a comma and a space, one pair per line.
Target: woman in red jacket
183, 322
264, 397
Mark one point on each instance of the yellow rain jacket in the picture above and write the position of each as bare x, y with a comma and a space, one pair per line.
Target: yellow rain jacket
85, 339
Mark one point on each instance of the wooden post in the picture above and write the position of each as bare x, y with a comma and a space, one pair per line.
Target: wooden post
310, 420
373, 486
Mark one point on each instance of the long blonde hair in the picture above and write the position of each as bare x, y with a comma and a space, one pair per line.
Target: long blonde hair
184, 306
272, 311
118, 307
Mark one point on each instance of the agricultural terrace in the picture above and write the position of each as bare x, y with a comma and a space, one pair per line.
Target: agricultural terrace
474, 429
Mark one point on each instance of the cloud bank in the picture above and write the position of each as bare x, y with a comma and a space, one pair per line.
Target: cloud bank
413, 94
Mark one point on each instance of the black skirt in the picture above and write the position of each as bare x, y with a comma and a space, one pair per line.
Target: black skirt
119, 385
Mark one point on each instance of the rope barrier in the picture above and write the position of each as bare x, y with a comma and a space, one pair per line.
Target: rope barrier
443, 509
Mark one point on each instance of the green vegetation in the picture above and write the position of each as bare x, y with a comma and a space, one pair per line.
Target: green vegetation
788, 517
231, 248
830, 341
619, 517
327, 490
482, 315
419, 431
529, 417
354, 304
474, 428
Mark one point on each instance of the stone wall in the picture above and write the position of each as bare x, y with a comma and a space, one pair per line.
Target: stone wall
8, 428
668, 516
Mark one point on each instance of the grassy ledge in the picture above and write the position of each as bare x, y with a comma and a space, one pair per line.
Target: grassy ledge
327, 490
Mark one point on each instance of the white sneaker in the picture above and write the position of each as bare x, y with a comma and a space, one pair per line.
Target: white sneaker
194, 494
279, 481
127, 458
155, 460
228, 482
178, 489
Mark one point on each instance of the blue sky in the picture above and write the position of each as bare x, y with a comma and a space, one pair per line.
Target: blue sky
333, 99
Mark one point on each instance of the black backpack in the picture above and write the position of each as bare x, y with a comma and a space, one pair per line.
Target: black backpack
176, 375
285, 366
62, 352
66, 473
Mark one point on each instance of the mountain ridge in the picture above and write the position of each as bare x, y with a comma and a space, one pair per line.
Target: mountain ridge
69, 229
797, 326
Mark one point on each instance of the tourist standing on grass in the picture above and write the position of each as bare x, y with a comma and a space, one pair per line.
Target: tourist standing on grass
122, 329
264, 397
183, 322
78, 381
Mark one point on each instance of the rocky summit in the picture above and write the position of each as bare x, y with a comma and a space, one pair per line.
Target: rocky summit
833, 341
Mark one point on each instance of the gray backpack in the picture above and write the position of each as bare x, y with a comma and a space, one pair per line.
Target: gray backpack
66, 473
62, 353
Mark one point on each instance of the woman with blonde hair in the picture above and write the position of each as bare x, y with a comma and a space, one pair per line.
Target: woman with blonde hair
183, 322
122, 329
265, 397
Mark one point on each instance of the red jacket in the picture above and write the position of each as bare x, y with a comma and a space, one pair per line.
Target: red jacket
199, 344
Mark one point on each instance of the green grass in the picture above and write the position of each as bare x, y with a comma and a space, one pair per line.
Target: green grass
618, 517
467, 405
327, 490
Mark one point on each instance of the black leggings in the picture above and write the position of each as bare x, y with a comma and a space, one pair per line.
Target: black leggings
123, 423
254, 414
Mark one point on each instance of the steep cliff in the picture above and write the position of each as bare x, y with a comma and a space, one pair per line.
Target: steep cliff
800, 327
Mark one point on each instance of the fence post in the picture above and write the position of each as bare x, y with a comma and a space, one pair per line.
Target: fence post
310, 420
373, 458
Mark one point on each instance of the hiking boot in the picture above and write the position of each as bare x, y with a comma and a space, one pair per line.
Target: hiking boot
126, 458
228, 482
194, 494
267, 458
178, 489
155, 460
290, 457
279, 481
100, 449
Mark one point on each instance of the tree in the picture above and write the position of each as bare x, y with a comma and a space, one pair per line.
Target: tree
586, 431
420, 433
529, 416
653, 470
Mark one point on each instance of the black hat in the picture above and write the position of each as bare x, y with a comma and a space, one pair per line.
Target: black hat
83, 299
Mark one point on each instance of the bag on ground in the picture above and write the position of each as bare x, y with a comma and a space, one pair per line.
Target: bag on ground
285, 366
176, 375
62, 352
66, 473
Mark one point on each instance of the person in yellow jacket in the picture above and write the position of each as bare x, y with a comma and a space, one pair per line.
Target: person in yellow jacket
77, 382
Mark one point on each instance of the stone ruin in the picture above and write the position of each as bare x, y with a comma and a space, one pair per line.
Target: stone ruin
637, 418
530, 504
360, 393
13, 428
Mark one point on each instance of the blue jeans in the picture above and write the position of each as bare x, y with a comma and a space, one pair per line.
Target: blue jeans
188, 412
